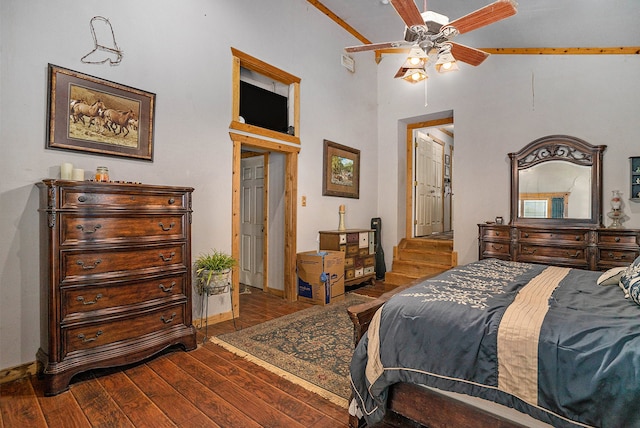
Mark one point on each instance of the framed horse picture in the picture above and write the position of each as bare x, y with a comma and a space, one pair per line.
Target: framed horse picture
94, 115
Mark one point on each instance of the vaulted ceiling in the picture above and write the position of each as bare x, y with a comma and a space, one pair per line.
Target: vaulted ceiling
538, 23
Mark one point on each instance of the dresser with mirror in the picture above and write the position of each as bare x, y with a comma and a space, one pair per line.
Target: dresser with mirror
556, 210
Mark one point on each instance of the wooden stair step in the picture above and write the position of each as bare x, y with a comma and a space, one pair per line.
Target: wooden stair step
417, 269
439, 257
397, 279
426, 244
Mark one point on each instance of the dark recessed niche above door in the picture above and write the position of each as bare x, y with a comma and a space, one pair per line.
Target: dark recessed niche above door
263, 108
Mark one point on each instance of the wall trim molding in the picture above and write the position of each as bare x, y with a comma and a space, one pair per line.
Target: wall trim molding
18, 372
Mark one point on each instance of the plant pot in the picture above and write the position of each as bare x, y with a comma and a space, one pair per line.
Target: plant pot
214, 282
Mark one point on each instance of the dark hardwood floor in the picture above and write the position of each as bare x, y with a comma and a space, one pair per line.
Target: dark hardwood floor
207, 387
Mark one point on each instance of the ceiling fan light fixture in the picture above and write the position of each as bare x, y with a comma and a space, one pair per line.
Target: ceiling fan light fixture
415, 75
446, 62
417, 58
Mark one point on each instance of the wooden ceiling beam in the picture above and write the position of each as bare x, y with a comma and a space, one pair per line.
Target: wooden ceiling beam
341, 22
623, 50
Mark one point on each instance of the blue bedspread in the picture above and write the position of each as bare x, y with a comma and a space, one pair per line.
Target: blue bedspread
444, 333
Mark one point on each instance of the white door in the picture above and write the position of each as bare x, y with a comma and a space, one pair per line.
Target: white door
437, 189
428, 198
422, 197
252, 221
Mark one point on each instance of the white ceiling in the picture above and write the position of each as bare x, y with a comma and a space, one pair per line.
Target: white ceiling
538, 23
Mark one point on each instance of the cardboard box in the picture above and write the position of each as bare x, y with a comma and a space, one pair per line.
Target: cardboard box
320, 276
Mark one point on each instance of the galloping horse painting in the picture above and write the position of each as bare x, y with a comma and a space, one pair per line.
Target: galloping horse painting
89, 114
102, 117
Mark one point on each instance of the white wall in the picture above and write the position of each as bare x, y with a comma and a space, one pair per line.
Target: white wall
181, 52
499, 107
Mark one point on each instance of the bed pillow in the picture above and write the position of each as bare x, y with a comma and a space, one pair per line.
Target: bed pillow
612, 276
631, 279
634, 289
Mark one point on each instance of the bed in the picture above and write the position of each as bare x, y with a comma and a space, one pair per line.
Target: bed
559, 345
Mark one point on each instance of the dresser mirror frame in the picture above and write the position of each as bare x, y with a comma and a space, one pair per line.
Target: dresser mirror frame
556, 148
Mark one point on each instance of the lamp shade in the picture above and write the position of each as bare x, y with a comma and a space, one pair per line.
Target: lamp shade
446, 62
417, 58
415, 75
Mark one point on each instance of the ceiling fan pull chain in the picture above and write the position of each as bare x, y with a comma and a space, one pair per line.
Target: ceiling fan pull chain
425, 92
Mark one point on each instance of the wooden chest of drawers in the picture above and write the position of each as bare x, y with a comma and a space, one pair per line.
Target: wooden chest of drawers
115, 275
359, 249
590, 248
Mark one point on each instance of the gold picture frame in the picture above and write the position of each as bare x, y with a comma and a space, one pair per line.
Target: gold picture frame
341, 171
89, 114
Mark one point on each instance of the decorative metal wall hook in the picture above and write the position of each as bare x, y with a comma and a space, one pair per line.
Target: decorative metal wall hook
102, 53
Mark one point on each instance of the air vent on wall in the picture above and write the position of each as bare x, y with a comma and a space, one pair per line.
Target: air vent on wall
348, 63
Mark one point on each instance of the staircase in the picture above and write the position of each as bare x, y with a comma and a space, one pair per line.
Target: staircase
419, 257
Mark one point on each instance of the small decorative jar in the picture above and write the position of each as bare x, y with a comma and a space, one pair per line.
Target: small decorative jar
102, 173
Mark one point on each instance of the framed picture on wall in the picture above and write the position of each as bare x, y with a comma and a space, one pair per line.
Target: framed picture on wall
89, 114
341, 171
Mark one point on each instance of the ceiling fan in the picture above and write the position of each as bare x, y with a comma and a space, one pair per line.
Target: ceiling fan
429, 34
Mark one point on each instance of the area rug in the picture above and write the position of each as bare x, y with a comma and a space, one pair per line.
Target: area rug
311, 348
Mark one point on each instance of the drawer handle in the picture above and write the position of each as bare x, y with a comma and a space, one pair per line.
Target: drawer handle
168, 320
89, 302
166, 229
526, 235
95, 228
573, 256
497, 233
577, 238
167, 259
165, 289
497, 247
82, 198
529, 251
84, 339
617, 239
613, 257
95, 264
172, 201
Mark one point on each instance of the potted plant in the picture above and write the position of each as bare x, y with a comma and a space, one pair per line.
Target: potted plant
213, 272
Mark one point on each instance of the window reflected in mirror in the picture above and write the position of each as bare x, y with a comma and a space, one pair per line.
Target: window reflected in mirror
543, 205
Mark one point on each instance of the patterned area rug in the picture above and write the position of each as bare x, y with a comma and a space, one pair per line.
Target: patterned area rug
312, 347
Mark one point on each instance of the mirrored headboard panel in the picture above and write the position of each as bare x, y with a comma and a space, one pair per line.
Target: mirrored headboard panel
557, 180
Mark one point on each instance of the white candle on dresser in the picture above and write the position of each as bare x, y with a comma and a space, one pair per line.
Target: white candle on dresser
65, 171
77, 174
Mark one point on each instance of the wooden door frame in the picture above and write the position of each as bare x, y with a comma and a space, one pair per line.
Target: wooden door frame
290, 210
409, 177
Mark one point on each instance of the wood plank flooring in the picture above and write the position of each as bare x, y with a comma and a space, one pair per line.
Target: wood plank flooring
207, 387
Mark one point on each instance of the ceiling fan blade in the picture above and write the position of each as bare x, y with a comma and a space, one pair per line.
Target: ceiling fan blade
489, 14
466, 54
408, 11
374, 46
